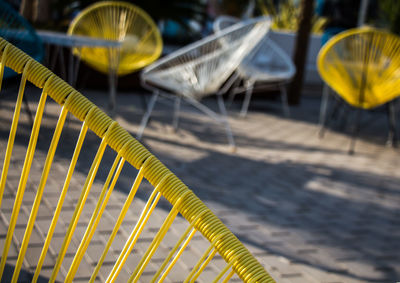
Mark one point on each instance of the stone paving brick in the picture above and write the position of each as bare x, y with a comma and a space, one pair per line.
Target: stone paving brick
57, 241
13, 252
84, 270
178, 273
35, 239
33, 254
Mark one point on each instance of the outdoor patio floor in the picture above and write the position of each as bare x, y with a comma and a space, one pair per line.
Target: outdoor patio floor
307, 210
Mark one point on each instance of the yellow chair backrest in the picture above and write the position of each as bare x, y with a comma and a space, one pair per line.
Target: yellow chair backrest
140, 39
127, 152
363, 66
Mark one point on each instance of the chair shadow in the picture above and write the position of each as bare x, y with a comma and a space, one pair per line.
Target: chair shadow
272, 196
24, 276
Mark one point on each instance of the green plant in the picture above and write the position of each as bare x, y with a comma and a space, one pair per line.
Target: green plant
287, 15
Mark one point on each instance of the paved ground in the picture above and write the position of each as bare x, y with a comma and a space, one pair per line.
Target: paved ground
306, 209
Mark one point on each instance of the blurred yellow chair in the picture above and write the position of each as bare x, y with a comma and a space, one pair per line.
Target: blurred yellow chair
139, 36
362, 66
128, 152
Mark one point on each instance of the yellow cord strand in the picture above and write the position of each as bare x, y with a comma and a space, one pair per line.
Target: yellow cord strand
95, 219
14, 125
187, 240
121, 217
26, 167
39, 194
61, 199
134, 236
79, 208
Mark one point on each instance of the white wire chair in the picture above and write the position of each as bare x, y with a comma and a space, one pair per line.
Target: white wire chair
268, 64
201, 69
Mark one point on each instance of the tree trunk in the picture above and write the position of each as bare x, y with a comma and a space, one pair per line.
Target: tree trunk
42, 11
36, 11
26, 9
300, 53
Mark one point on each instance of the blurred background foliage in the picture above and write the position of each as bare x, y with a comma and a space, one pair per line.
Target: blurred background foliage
286, 15
176, 10
389, 16
56, 14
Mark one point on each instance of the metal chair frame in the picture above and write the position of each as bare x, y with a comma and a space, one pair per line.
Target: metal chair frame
205, 75
251, 71
361, 66
138, 35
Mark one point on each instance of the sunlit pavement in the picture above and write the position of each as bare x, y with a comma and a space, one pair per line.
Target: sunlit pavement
306, 209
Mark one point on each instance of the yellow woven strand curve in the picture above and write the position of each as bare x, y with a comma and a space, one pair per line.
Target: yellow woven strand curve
39, 193
14, 125
79, 208
121, 217
138, 34
187, 240
134, 236
178, 254
156, 242
60, 202
202, 263
101, 203
154, 245
226, 280
196, 267
221, 274
25, 172
361, 66
2, 65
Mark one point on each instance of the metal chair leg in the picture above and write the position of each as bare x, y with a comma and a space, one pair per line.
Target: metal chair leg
249, 91
143, 101
233, 92
112, 80
392, 136
323, 110
225, 121
177, 107
147, 115
219, 117
284, 99
355, 131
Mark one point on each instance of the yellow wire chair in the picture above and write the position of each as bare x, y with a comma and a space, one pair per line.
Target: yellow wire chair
182, 201
362, 66
140, 39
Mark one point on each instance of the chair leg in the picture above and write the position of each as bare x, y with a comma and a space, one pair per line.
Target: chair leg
225, 121
323, 110
177, 107
233, 92
62, 64
284, 98
112, 80
143, 102
220, 118
246, 101
392, 137
147, 115
355, 131
76, 64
